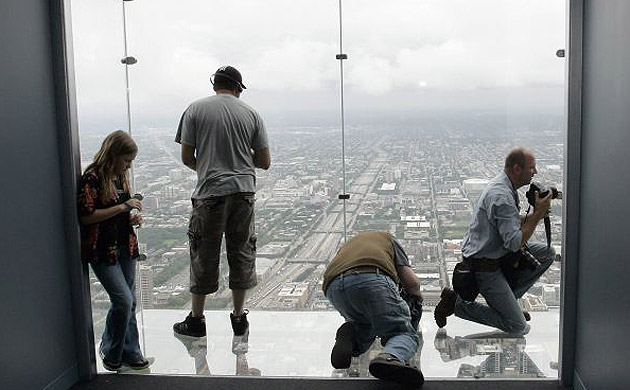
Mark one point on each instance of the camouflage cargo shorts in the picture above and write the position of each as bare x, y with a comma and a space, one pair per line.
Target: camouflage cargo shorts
209, 220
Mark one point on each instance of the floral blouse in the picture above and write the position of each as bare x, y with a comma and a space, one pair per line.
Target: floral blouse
100, 242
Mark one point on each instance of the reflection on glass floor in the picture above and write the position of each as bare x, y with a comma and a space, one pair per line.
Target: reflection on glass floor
299, 344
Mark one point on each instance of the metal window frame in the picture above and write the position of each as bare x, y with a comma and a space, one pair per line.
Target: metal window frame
70, 162
572, 177
60, 17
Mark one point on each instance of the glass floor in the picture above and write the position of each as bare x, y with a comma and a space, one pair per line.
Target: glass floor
299, 344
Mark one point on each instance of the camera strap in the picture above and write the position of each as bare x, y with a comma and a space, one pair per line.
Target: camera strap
527, 212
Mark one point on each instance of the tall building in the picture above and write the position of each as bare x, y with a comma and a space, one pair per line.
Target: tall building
144, 286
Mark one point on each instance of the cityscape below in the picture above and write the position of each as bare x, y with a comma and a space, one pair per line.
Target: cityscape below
417, 179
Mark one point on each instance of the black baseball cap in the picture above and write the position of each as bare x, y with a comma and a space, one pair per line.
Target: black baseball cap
230, 73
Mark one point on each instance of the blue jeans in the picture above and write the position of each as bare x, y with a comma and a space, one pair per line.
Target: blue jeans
120, 341
374, 306
503, 311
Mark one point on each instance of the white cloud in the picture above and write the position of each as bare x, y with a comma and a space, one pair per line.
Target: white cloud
294, 65
289, 46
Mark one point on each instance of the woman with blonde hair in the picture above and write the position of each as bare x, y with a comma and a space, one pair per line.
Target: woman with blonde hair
110, 245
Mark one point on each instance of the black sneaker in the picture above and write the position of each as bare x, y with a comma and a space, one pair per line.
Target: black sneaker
138, 365
341, 355
446, 307
191, 326
527, 315
111, 366
388, 367
240, 325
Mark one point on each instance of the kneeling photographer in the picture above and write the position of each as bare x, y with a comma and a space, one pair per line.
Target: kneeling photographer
498, 262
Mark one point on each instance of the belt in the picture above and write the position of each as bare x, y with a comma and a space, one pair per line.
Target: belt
364, 269
482, 264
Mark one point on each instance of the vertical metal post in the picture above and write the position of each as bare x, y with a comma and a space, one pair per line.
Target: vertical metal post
571, 201
127, 60
126, 68
344, 197
68, 133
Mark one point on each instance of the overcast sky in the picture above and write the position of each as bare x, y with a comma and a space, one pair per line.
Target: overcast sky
403, 55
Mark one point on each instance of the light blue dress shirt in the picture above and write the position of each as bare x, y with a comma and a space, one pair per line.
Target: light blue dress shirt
495, 229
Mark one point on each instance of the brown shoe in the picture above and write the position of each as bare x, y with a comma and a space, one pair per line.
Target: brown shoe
388, 367
446, 307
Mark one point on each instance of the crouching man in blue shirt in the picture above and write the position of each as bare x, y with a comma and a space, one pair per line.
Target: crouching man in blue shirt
492, 250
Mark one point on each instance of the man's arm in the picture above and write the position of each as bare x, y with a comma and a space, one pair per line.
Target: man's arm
407, 277
188, 157
262, 158
409, 280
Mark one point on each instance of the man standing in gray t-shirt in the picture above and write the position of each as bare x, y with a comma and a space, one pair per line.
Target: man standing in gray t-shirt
223, 140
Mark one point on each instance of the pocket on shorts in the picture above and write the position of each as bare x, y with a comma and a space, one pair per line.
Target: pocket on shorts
195, 225
250, 199
252, 242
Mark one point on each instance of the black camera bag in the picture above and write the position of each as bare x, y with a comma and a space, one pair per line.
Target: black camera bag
464, 282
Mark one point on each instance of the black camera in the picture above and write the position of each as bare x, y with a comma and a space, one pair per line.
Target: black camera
527, 259
542, 192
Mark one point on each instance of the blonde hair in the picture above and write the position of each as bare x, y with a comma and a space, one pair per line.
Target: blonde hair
115, 145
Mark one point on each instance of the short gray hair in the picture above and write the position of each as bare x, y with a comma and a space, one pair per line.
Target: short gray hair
517, 156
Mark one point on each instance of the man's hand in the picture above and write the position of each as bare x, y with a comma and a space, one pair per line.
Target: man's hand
417, 296
543, 205
414, 301
188, 157
262, 158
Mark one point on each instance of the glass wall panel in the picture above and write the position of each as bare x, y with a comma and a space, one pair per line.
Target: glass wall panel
437, 93
286, 53
98, 47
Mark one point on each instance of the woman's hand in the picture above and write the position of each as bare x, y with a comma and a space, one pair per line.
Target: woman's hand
100, 215
135, 220
133, 203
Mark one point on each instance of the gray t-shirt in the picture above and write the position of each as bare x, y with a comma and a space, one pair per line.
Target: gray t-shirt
223, 130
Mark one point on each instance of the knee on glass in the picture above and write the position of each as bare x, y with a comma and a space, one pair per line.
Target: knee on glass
518, 328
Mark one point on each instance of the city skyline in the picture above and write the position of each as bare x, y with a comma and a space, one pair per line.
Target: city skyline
419, 185
299, 226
